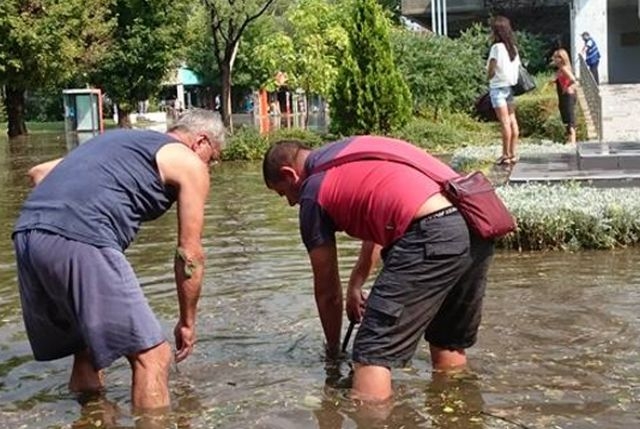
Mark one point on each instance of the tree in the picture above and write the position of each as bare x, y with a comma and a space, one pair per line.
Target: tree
44, 43
319, 43
146, 40
228, 20
370, 95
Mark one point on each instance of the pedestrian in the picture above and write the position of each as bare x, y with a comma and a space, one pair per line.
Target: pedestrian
433, 279
591, 55
502, 70
566, 84
79, 293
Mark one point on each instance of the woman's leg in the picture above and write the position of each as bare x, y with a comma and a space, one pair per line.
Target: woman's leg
515, 133
502, 112
571, 134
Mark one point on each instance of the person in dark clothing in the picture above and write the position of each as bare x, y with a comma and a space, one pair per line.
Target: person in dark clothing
79, 293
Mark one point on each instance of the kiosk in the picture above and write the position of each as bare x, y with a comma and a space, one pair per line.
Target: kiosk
83, 112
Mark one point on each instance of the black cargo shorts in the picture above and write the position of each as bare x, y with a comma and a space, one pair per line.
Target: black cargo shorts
432, 285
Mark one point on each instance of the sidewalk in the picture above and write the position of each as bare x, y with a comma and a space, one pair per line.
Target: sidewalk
620, 107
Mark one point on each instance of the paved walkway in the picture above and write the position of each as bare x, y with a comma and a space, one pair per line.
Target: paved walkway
620, 107
615, 162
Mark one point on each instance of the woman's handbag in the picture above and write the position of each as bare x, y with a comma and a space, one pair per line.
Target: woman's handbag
484, 109
525, 84
473, 194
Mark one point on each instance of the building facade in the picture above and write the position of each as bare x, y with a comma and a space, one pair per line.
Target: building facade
613, 24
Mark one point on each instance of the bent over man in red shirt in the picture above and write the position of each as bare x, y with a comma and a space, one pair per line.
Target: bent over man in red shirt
434, 274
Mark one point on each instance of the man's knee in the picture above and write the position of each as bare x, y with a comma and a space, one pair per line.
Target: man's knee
156, 359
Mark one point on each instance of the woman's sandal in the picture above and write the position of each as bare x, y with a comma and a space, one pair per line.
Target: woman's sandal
503, 160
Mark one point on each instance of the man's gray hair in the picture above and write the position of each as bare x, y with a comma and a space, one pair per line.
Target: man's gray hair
196, 121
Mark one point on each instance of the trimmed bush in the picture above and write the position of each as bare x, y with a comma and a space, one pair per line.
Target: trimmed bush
247, 144
560, 217
449, 132
571, 217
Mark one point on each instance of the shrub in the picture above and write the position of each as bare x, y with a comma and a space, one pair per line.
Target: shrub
370, 95
447, 133
443, 74
247, 144
571, 217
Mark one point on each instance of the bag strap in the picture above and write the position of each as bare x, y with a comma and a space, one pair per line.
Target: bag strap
375, 155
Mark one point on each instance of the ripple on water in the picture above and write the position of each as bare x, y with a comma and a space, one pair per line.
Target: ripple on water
559, 344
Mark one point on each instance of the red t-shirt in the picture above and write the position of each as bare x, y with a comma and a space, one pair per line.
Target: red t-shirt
370, 199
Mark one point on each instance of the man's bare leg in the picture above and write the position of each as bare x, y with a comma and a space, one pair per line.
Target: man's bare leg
150, 377
447, 360
84, 377
371, 383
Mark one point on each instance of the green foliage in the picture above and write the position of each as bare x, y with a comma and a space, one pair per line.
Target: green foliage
449, 132
44, 105
393, 8
247, 144
319, 42
443, 74
370, 94
228, 20
147, 37
572, 217
533, 110
532, 48
199, 55
306, 43
47, 42
538, 114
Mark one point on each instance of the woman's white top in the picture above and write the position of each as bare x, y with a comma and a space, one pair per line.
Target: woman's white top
506, 70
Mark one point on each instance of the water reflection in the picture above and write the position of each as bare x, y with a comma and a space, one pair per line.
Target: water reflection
559, 345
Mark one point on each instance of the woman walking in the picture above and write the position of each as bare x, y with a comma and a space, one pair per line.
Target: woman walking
566, 88
502, 71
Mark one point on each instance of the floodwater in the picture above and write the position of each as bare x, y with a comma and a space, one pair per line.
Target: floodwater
559, 345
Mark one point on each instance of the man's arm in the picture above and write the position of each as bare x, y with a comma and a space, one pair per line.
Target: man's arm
367, 261
38, 172
181, 168
328, 293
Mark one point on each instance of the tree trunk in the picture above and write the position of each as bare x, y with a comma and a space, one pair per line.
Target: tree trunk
15, 111
123, 117
226, 96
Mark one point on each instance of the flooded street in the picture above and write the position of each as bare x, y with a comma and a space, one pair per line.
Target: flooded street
559, 346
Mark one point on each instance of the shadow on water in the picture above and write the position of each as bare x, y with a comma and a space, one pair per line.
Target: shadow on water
558, 347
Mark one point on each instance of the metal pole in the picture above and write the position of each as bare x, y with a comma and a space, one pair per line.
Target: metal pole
444, 17
433, 16
439, 16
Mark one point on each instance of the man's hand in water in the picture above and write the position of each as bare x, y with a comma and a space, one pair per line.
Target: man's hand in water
356, 303
185, 341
